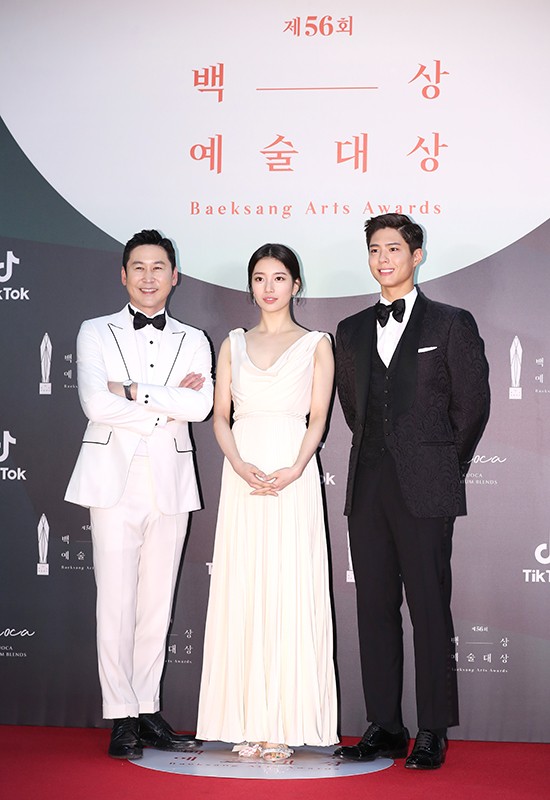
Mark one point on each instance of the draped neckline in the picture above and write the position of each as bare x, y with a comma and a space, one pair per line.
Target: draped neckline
284, 353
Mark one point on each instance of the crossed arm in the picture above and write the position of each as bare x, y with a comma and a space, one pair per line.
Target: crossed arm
193, 380
104, 401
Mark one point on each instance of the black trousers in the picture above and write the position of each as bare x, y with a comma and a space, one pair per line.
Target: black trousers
390, 549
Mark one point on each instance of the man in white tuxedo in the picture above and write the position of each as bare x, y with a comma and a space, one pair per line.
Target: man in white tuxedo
142, 377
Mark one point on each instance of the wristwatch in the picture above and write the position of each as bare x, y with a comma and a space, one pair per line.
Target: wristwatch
127, 392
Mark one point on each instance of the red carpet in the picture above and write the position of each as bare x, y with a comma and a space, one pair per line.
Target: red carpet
71, 764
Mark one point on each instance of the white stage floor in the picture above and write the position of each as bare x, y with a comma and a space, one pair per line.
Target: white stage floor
216, 760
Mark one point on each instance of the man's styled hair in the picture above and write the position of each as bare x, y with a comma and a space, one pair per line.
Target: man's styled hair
409, 230
149, 237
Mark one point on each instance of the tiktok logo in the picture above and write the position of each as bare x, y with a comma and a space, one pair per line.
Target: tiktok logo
542, 554
6, 441
6, 272
539, 551
8, 266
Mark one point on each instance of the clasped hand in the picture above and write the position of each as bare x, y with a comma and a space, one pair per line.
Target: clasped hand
264, 484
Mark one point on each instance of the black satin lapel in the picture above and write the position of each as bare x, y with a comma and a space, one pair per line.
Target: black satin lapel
406, 365
170, 339
365, 337
122, 332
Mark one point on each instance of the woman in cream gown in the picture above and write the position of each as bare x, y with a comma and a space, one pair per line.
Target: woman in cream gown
268, 672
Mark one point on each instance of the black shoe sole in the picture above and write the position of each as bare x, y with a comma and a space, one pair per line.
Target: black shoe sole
172, 748
384, 754
128, 757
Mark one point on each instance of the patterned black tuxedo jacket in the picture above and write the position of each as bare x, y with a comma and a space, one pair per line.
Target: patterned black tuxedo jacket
440, 401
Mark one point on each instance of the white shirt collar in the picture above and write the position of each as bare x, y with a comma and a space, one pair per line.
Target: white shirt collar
137, 311
409, 299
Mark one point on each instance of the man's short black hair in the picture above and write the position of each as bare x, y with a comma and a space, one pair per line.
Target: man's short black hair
149, 237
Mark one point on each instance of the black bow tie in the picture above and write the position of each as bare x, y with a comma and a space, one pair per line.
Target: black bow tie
383, 312
140, 320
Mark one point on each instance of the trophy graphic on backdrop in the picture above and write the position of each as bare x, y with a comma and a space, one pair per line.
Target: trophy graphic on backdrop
516, 354
45, 386
43, 531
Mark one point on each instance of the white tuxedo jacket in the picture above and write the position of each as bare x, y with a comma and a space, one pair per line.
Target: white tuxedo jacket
107, 351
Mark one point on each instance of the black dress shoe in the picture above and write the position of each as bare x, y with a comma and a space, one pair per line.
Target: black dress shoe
155, 732
377, 743
428, 752
125, 739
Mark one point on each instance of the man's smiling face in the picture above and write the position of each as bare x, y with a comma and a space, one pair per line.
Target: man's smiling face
392, 264
149, 278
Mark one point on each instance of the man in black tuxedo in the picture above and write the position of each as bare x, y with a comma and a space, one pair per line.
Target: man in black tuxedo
413, 384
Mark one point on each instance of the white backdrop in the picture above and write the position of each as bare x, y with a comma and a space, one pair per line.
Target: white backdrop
229, 122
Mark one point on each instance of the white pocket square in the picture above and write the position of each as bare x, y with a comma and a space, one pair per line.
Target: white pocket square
427, 349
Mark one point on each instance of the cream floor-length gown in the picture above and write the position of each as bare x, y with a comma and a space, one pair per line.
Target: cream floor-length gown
268, 669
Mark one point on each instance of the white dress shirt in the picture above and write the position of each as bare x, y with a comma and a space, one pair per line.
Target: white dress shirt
388, 336
148, 343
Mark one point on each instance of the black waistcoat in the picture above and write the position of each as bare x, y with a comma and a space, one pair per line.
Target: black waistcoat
378, 417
